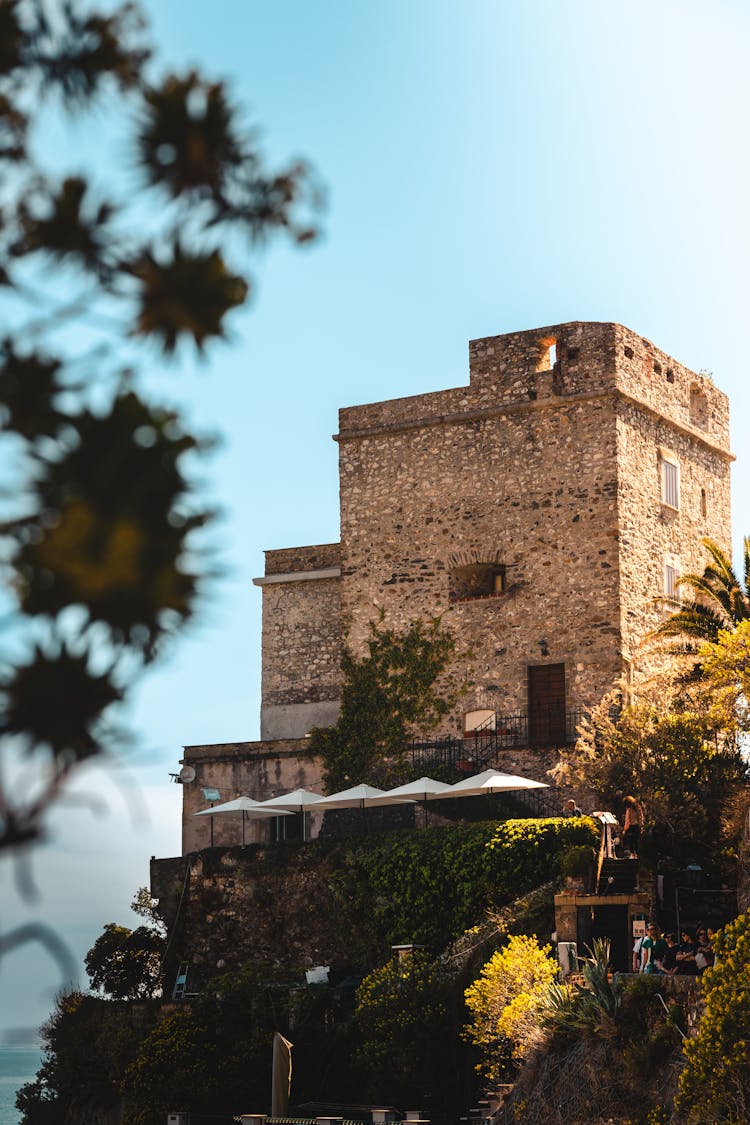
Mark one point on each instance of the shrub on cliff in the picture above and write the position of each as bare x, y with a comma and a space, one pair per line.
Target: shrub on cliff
88, 1045
715, 1085
505, 1002
405, 1040
126, 964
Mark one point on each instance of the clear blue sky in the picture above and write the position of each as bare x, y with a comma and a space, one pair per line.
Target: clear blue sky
490, 166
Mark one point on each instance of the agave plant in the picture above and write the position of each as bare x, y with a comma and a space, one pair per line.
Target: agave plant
721, 601
591, 1008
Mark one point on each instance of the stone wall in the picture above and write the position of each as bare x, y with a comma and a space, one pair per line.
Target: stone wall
241, 905
549, 473
302, 638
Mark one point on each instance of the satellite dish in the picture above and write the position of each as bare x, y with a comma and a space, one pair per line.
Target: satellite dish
186, 775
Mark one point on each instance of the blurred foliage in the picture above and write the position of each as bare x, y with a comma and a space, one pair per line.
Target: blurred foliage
715, 1085
399, 689
101, 547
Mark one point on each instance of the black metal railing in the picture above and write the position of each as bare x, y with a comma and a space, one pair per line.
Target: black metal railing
548, 727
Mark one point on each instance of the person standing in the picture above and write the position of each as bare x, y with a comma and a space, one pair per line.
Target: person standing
631, 836
652, 951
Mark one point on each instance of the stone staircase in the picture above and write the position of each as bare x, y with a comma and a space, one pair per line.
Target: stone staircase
617, 877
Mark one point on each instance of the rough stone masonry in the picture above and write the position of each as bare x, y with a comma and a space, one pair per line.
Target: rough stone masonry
540, 510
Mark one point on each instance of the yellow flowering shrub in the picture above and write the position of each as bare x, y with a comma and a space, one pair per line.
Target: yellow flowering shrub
715, 1084
505, 1002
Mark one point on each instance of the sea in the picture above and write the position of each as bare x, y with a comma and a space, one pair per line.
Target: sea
18, 1065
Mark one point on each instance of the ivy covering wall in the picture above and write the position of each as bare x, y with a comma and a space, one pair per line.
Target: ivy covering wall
430, 886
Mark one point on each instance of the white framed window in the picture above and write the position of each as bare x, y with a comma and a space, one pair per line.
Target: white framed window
671, 589
670, 481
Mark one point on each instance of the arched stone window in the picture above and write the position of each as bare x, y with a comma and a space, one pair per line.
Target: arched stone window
476, 580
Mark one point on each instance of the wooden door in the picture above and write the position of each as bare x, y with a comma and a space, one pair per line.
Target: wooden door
546, 705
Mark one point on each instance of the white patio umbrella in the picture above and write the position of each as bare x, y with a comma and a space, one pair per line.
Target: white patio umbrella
492, 781
250, 809
298, 801
420, 790
359, 797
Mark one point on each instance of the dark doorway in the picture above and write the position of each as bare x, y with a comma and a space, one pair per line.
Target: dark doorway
547, 704
612, 922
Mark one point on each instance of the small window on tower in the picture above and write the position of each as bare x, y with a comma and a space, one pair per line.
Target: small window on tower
704, 506
670, 581
547, 354
480, 580
670, 481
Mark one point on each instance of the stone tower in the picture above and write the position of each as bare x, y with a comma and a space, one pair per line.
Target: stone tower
540, 510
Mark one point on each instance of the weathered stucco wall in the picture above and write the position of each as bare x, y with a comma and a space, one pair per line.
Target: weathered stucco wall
253, 769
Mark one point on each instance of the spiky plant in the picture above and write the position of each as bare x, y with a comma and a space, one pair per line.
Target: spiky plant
720, 600
591, 1008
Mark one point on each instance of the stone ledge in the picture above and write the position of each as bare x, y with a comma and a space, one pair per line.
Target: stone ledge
298, 576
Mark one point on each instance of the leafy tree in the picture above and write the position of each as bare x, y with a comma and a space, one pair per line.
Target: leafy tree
398, 689
126, 964
88, 1045
505, 1002
715, 1084
405, 1033
676, 757
725, 668
719, 600
102, 561
145, 906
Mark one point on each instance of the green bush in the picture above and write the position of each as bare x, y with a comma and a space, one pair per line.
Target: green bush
715, 1084
428, 887
577, 861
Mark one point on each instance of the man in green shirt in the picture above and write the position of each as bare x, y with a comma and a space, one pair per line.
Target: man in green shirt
652, 950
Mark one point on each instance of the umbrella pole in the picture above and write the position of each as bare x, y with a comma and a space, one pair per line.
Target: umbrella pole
244, 814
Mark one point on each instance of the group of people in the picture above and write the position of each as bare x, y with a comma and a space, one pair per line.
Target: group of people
631, 834
657, 953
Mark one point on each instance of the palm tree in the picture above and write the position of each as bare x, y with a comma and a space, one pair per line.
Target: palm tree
723, 603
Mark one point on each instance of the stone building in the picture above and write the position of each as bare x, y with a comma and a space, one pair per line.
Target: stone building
540, 510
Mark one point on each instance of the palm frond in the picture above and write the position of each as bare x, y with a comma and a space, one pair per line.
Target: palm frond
723, 562
692, 618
